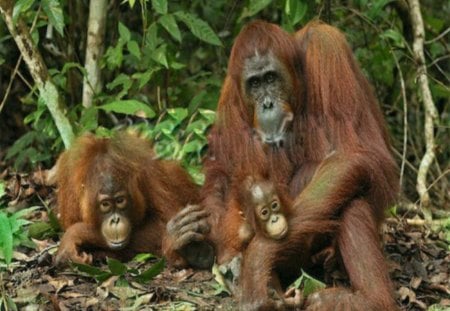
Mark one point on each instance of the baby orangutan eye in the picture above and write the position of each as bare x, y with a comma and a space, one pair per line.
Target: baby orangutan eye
275, 206
105, 206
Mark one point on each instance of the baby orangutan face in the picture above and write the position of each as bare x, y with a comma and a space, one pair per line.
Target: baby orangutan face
268, 210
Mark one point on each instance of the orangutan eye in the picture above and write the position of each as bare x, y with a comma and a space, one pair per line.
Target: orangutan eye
105, 206
270, 77
265, 213
121, 202
275, 206
254, 82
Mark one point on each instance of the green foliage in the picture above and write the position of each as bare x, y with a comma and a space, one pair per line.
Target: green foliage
13, 233
116, 268
162, 55
54, 12
308, 284
45, 229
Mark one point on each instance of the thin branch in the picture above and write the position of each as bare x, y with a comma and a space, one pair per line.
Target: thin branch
92, 83
405, 117
16, 68
430, 110
446, 31
38, 70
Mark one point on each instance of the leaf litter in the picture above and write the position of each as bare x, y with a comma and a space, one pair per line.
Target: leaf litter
418, 258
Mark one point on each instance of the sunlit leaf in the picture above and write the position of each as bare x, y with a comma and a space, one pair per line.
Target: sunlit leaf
178, 114
308, 284
2, 189
129, 106
6, 238
193, 146
296, 10
143, 257
208, 114
55, 14
21, 6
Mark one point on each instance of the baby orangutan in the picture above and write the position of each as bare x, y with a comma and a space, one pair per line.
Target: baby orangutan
263, 210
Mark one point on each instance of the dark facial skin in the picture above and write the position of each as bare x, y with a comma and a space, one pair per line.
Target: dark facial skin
267, 87
113, 204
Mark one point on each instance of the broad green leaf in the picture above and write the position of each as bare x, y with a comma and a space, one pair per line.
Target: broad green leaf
197, 127
254, 7
166, 126
129, 106
124, 33
144, 77
55, 14
159, 56
160, 6
308, 284
6, 238
134, 49
153, 271
193, 146
40, 230
176, 65
152, 36
89, 119
170, 24
113, 57
21, 6
208, 114
143, 257
121, 80
116, 267
395, 37
199, 28
178, 114
296, 10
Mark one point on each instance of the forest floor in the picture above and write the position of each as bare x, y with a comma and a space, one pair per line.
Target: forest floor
418, 259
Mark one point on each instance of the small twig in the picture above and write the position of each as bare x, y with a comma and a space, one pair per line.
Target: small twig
405, 117
437, 60
446, 31
423, 222
8, 89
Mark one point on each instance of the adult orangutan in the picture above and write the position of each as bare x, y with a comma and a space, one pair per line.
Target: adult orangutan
324, 137
115, 199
